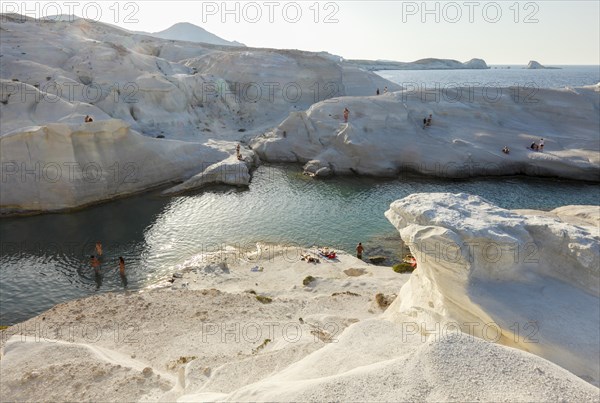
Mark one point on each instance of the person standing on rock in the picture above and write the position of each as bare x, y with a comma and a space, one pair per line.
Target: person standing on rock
377, 91
346, 114
359, 251
541, 144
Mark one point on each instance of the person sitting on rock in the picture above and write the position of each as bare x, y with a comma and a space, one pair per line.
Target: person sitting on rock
429, 120
505, 150
237, 152
410, 259
534, 146
88, 119
346, 114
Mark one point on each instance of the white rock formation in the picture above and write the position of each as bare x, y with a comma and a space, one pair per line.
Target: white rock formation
529, 281
264, 85
230, 171
62, 166
326, 342
181, 90
385, 134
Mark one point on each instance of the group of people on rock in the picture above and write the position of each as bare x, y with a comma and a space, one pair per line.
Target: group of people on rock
96, 262
534, 147
88, 119
410, 259
427, 122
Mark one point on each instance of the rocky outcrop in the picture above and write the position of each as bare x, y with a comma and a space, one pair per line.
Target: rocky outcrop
230, 171
526, 280
61, 166
183, 90
385, 135
533, 65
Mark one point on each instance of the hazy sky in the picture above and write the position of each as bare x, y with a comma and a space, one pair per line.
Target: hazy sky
500, 32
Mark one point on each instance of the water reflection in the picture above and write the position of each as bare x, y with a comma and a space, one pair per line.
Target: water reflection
45, 259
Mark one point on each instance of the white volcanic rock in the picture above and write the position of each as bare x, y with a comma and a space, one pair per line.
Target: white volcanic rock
317, 168
230, 171
529, 281
105, 68
61, 166
264, 85
24, 105
377, 360
385, 134
90, 68
181, 90
326, 342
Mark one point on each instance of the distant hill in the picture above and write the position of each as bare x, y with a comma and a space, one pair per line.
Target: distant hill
184, 31
423, 64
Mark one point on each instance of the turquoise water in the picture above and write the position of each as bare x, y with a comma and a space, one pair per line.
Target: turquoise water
44, 259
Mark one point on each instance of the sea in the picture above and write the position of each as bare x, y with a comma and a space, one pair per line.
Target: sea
497, 76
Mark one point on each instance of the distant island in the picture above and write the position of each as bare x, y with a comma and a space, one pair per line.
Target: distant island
422, 64
533, 65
